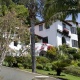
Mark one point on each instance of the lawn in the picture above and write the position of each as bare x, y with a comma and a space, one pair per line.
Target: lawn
53, 73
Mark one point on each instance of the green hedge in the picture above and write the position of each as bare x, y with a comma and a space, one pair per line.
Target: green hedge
21, 61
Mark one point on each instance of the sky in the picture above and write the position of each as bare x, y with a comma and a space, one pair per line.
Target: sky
78, 19
69, 18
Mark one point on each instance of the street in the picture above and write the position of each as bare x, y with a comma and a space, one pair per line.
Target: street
7, 73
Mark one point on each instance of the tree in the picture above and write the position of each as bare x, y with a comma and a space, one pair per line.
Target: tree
6, 5
60, 9
35, 8
60, 65
78, 32
7, 24
11, 30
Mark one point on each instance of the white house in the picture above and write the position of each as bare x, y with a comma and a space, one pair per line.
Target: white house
58, 33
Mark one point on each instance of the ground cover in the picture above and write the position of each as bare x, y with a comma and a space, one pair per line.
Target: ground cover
63, 76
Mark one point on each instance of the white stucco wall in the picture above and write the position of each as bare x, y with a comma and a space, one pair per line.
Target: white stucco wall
54, 37
50, 33
59, 39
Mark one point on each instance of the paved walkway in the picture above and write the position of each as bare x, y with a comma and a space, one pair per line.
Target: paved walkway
7, 73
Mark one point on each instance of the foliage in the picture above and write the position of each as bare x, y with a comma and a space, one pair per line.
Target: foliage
10, 60
18, 61
59, 66
60, 9
39, 66
78, 64
72, 50
42, 60
62, 48
76, 56
73, 70
51, 53
61, 56
48, 67
20, 65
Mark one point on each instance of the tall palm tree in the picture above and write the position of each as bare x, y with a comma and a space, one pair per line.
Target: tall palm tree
35, 8
60, 9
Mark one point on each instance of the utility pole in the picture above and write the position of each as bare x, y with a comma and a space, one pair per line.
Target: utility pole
31, 8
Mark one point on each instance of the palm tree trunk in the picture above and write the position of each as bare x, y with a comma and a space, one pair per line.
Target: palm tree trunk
31, 8
33, 45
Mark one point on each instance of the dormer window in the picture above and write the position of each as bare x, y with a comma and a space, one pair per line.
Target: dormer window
15, 43
40, 27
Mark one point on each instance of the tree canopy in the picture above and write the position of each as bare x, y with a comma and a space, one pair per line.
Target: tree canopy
60, 9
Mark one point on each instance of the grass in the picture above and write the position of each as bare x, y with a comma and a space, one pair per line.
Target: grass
63, 76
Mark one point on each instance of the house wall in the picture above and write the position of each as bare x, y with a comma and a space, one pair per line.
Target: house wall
54, 37
50, 33
73, 36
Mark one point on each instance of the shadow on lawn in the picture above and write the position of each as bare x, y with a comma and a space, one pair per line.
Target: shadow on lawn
59, 77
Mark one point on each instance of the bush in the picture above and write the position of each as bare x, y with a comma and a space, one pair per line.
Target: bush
25, 65
76, 56
48, 67
72, 50
20, 65
39, 66
42, 60
5, 63
10, 60
18, 61
59, 66
78, 64
51, 53
72, 70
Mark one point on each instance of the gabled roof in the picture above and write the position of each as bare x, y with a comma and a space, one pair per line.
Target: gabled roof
67, 23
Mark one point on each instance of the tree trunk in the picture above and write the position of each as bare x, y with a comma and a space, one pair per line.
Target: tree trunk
58, 71
33, 45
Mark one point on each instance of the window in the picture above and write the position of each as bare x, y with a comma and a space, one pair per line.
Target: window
74, 43
40, 27
63, 40
73, 30
15, 43
64, 25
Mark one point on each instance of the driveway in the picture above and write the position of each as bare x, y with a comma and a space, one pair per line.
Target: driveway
7, 73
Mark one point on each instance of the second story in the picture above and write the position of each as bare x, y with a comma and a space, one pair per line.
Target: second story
65, 27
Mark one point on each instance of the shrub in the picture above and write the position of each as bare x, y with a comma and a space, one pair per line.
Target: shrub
78, 64
72, 70
5, 63
42, 60
48, 67
20, 65
72, 50
51, 53
10, 60
25, 65
76, 56
59, 66
39, 66
25, 61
